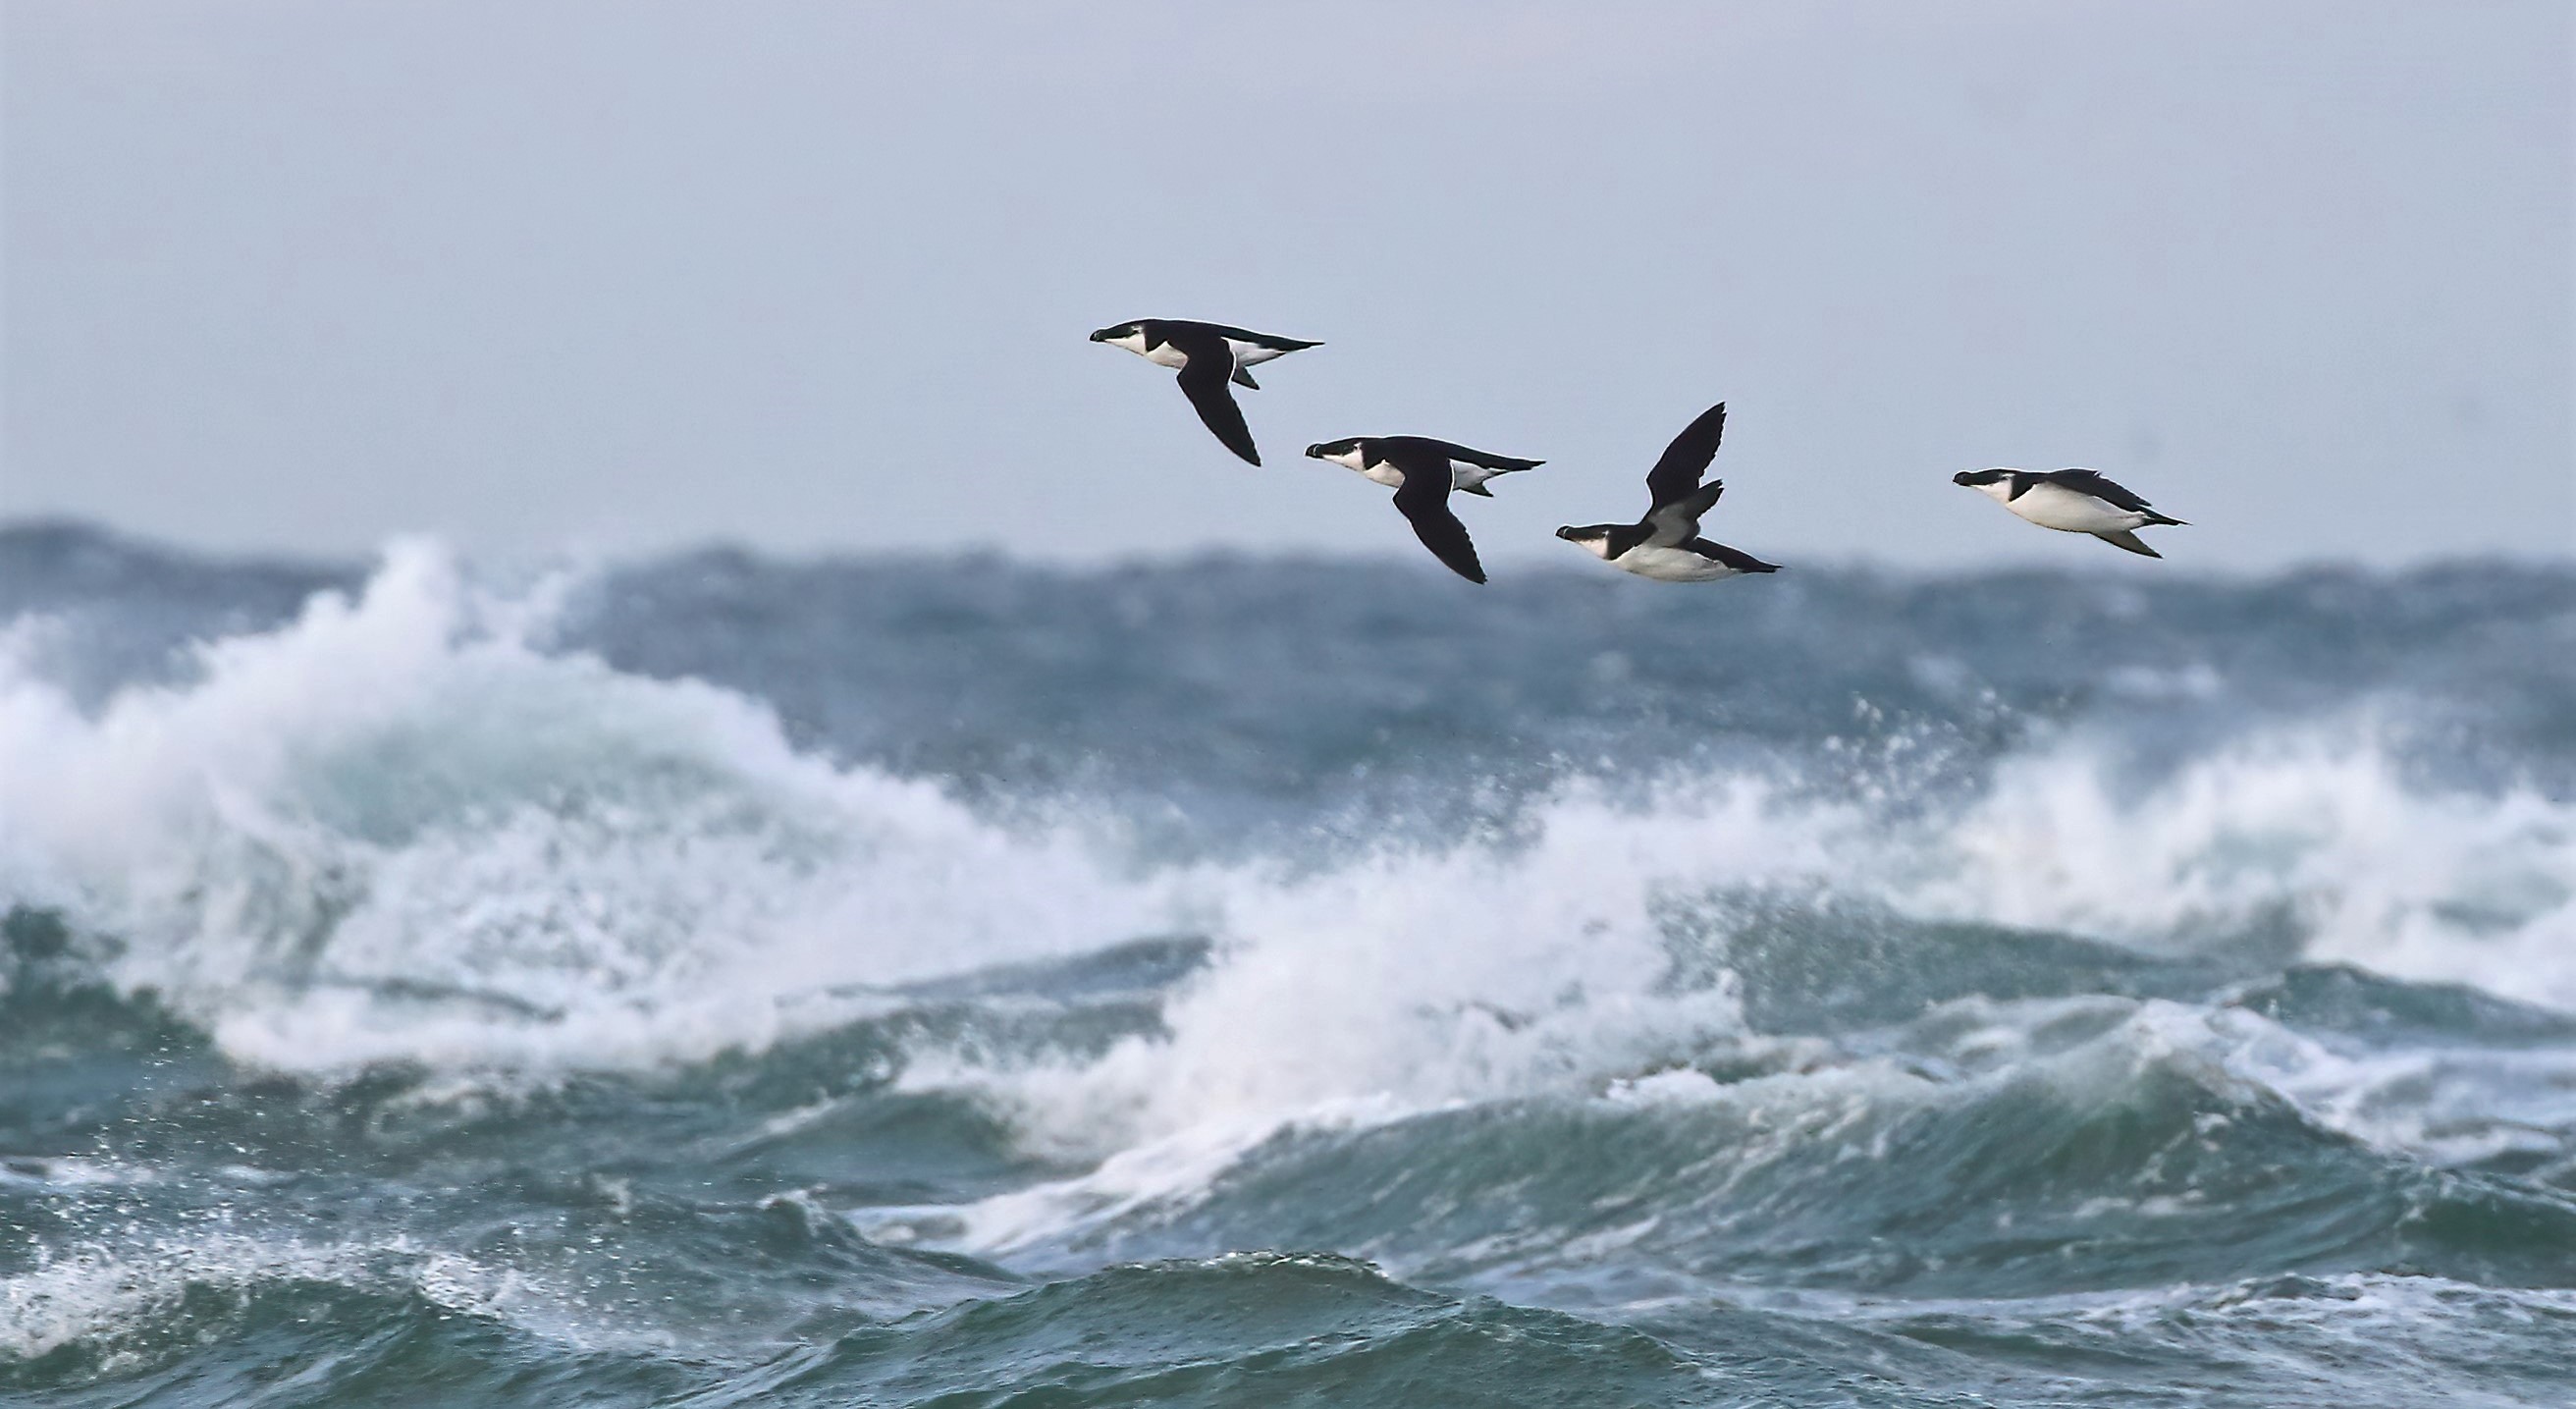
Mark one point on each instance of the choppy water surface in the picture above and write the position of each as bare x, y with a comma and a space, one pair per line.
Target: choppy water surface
722, 981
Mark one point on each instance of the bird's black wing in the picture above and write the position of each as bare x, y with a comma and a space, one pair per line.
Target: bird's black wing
1269, 340
1735, 558
1203, 381
1423, 499
2091, 482
1486, 458
1686, 459
1415, 455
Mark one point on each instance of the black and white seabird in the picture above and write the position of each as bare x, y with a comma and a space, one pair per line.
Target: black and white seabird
1665, 545
2071, 501
1421, 471
1385, 458
1208, 355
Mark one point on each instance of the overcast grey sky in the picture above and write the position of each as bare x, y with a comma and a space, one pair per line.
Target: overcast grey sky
621, 275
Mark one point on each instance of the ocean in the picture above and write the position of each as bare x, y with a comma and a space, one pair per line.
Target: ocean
718, 979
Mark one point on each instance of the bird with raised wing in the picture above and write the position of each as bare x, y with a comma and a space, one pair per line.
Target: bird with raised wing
1665, 545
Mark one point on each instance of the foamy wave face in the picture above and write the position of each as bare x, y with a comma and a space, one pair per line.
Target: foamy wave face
2318, 829
396, 828
206, 1280
1416, 979
1491, 971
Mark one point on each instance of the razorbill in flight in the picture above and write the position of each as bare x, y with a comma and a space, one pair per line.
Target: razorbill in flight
1383, 458
1208, 355
1665, 545
2071, 501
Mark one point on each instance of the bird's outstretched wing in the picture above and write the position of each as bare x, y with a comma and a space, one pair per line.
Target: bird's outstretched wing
2091, 482
1686, 459
1271, 341
1470, 455
1203, 381
1735, 558
1423, 499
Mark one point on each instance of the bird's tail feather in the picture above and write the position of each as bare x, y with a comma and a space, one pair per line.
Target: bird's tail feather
2127, 538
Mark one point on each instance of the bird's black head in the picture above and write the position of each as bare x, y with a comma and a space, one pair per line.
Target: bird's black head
1593, 538
1116, 331
1978, 479
1328, 449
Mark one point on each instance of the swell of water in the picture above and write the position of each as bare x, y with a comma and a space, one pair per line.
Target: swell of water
484, 970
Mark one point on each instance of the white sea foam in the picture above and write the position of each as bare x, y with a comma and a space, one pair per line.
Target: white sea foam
401, 797
1847, 1105
2416, 884
1480, 973
2451, 1104
105, 1292
1426, 978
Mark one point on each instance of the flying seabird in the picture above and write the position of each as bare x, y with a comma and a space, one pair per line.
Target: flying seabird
1665, 545
2071, 501
1420, 471
1208, 355
1383, 458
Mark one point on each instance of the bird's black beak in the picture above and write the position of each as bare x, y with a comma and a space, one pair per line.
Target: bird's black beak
1102, 335
1961, 478
1565, 532
1314, 452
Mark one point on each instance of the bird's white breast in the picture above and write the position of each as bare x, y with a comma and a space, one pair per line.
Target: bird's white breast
1382, 472
2055, 506
1167, 356
1671, 564
1164, 356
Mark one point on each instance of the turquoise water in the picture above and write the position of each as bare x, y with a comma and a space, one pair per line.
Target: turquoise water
718, 980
